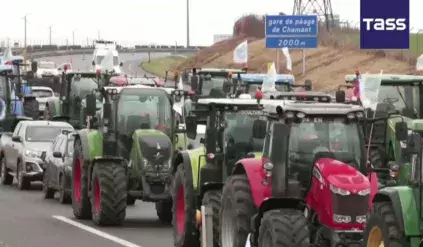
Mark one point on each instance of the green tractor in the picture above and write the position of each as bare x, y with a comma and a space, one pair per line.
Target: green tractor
396, 217
71, 105
400, 99
125, 153
199, 174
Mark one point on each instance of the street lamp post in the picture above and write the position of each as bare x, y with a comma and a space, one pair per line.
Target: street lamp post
25, 25
50, 33
187, 23
73, 37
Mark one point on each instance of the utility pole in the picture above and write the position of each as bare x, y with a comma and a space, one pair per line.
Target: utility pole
99, 34
50, 32
25, 25
187, 23
73, 37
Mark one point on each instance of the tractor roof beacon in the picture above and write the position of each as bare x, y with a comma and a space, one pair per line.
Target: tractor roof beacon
126, 155
199, 174
311, 153
399, 207
15, 96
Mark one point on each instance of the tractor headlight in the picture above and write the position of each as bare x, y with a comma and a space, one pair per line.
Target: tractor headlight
364, 192
32, 153
339, 191
341, 218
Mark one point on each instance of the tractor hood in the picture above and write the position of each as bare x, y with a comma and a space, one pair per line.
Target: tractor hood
155, 145
342, 175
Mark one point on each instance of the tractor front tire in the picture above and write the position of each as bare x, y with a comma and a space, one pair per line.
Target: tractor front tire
185, 231
237, 209
382, 227
212, 198
284, 228
81, 205
108, 193
31, 109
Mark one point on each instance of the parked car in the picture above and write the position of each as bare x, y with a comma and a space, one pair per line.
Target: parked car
57, 165
21, 150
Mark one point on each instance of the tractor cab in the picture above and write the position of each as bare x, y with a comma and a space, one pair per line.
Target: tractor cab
399, 99
250, 83
211, 82
314, 161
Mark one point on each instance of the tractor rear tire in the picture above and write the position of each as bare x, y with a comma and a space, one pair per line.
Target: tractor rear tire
237, 209
212, 198
184, 209
284, 228
164, 212
108, 194
81, 204
31, 109
382, 227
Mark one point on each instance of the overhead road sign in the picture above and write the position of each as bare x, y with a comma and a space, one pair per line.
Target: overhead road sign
291, 31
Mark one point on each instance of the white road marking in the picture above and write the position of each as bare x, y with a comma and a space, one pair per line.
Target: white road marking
99, 233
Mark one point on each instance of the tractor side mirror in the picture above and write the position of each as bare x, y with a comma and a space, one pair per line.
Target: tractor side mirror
413, 144
259, 129
121, 64
340, 96
34, 66
191, 126
93, 63
307, 85
91, 102
57, 154
401, 131
16, 139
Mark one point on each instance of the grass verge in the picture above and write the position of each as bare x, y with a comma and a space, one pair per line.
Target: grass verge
159, 66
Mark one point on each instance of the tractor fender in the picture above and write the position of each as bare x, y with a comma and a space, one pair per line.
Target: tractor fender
252, 167
92, 143
269, 204
193, 161
404, 204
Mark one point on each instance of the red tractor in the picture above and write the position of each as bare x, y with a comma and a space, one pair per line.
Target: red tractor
312, 186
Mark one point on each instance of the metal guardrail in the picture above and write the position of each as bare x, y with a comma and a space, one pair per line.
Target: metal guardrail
52, 53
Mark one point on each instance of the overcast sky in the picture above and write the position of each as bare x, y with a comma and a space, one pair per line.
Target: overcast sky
140, 22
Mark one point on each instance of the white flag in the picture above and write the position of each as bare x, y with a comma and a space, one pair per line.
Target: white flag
419, 64
180, 84
285, 52
241, 53
270, 80
369, 89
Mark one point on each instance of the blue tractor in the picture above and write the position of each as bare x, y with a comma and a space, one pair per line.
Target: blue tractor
15, 94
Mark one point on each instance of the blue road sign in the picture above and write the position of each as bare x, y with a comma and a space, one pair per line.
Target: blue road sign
292, 43
291, 31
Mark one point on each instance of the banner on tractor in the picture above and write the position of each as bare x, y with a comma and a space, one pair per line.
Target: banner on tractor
369, 85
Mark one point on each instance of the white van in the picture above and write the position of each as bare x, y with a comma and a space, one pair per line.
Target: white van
101, 48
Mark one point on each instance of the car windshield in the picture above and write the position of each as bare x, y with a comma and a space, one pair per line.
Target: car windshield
144, 109
99, 59
315, 135
42, 93
46, 66
43, 133
404, 98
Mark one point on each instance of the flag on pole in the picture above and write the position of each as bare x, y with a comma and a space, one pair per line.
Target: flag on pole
241, 53
285, 52
419, 64
269, 81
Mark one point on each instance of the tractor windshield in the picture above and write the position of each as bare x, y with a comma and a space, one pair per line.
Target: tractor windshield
239, 134
81, 87
343, 139
144, 109
404, 98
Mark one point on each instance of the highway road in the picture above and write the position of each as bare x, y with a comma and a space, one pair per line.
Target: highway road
29, 220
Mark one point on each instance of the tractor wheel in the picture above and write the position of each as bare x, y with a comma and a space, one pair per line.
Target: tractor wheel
108, 194
185, 231
382, 228
237, 210
48, 192
284, 228
6, 178
164, 212
31, 109
80, 201
65, 197
212, 198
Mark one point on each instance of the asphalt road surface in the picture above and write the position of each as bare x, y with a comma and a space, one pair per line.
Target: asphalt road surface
29, 220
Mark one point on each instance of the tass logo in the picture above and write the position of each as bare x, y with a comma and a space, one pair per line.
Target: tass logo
385, 24
389, 24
